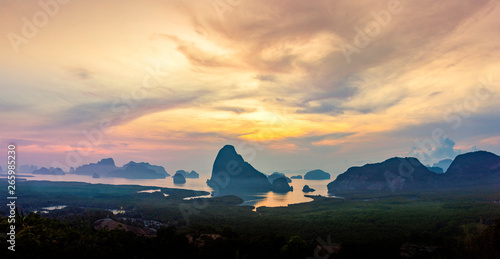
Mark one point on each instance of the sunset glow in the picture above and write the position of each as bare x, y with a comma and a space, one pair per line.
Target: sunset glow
171, 82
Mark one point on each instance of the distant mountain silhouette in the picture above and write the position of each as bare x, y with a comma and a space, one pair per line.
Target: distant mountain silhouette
392, 174
192, 174
132, 170
158, 169
296, 177
470, 169
308, 189
49, 171
1, 169
179, 178
277, 175
445, 163
102, 167
280, 185
96, 175
435, 169
317, 175
231, 174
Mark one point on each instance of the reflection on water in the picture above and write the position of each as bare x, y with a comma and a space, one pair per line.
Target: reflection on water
54, 207
117, 211
149, 191
152, 191
272, 199
196, 197
269, 199
45, 210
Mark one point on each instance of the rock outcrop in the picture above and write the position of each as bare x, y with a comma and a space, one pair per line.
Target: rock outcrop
307, 189
179, 178
280, 185
277, 175
231, 174
186, 174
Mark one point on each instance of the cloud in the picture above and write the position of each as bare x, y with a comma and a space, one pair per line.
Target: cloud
237, 110
25, 142
199, 57
80, 73
268, 78
442, 150
305, 45
120, 110
7, 106
232, 74
322, 108
318, 142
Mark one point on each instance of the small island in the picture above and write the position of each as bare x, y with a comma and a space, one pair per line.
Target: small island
317, 175
307, 189
277, 175
193, 174
179, 178
280, 185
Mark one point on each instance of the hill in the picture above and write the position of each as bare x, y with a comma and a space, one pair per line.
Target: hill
474, 168
398, 174
392, 174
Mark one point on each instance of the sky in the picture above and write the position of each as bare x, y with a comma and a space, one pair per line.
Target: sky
293, 85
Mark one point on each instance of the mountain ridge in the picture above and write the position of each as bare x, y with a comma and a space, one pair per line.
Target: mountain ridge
398, 174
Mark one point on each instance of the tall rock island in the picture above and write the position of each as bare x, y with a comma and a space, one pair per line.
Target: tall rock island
232, 175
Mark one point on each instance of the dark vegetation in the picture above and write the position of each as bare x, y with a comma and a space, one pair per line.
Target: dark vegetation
451, 223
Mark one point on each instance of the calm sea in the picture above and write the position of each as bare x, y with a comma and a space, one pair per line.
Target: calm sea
269, 199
